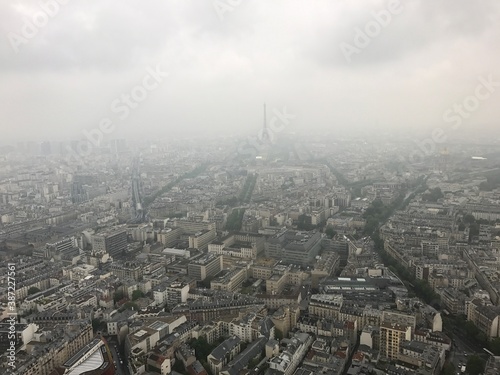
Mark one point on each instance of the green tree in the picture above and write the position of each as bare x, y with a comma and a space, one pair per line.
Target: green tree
482, 338
474, 230
150, 199
471, 329
235, 219
136, 294
378, 213
475, 365
129, 306
98, 325
253, 363
233, 201
371, 225
433, 195
179, 367
485, 186
469, 219
118, 296
492, 181
278, 334
202, 348
33, 290
205, 283
246, 192
448, 369
495, 346
304, 223
330, 232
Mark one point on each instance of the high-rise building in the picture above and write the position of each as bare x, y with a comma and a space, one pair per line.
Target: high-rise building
294, 247
207, 266
231, 281
61, 246
127, 270
113, 242
79, 187
200, 240
392, 336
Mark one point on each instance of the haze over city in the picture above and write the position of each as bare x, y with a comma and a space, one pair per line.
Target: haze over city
224, 61
250, 187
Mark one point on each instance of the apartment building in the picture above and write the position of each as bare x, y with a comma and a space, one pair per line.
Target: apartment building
486, 318
453, 300
171, 293
230, 281
276, 283
127, 270
169, 236
288, 360
392, 336
325, 305
294, 247
113, 242
45, 356
206, 266
223, 353
200, 240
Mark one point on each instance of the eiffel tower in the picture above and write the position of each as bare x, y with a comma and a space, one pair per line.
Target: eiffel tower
265, 135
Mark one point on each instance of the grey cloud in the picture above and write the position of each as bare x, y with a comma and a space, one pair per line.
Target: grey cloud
284, 52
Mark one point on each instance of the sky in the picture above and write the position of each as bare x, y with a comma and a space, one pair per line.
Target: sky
205, 67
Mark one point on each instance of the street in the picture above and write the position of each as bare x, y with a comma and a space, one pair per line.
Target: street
118, 358
462, 349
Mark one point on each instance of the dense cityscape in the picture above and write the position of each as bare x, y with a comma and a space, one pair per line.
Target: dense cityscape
231, 187
302, 257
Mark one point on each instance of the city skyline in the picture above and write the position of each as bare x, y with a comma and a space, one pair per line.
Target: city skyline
236, 187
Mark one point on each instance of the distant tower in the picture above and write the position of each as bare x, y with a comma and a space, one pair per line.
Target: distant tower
265, 136
138, 213
444, 160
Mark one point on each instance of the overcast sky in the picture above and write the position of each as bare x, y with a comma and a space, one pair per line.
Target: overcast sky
226, 58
